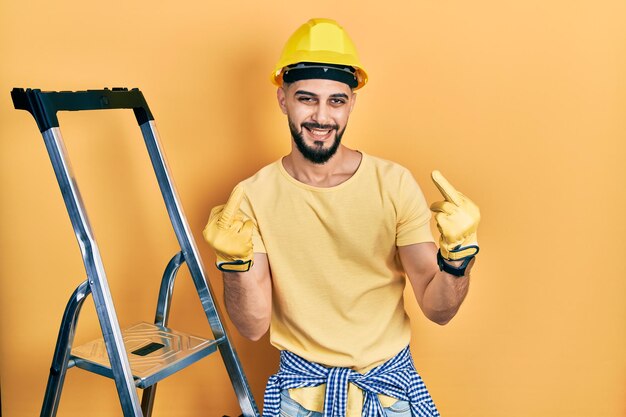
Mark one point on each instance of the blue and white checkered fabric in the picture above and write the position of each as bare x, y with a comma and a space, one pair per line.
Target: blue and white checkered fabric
395, 378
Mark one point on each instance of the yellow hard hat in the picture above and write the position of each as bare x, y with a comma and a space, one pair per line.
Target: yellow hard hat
320, 41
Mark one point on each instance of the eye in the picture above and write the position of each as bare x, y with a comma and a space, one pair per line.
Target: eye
336, 102
306, 99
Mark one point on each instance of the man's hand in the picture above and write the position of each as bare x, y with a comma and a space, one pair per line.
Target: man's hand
230, 236
457, 220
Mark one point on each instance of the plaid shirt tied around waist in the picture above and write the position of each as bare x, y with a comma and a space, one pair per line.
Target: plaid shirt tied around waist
396, 378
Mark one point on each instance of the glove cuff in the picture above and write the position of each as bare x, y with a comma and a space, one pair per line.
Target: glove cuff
235, 266
459, 252
457, 271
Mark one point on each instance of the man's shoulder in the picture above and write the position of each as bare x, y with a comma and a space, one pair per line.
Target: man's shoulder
264, 175
386, 167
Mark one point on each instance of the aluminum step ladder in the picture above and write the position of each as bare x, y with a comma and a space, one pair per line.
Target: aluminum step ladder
144, 354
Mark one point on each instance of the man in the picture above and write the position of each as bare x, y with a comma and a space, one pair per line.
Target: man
318, 245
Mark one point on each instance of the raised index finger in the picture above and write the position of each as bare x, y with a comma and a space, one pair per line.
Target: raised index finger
445, 188
231, 208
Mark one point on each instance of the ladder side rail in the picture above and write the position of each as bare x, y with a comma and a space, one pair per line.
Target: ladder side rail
161, 318
167, 288
194, 263
62, 352
181, 227
95, 273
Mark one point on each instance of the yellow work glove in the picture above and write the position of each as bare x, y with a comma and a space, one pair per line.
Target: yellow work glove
457, 220
230, 235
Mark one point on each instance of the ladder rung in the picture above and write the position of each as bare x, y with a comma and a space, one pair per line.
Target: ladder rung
154, 352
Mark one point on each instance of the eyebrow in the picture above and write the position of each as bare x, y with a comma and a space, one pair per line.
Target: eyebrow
308, 93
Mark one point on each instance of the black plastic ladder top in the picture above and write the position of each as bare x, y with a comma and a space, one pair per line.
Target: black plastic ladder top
44, 105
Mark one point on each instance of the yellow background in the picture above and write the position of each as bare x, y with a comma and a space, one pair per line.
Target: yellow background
520, 103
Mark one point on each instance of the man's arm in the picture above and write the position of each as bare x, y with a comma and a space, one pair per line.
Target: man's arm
440, 277
438, 293
248, 298
247, 278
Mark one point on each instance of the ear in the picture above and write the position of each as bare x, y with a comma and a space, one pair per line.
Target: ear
282, 98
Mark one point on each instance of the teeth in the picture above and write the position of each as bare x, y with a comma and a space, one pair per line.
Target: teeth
319, 132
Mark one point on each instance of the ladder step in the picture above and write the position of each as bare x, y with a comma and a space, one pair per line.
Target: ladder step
154, 352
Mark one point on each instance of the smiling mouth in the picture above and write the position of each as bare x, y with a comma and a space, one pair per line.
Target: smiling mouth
317, 131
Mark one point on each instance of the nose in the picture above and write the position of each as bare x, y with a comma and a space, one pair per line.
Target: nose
322, 114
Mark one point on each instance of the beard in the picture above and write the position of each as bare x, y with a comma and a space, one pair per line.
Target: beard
316, 154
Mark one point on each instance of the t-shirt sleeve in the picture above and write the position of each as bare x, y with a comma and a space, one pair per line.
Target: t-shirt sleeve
413, 214
248, 211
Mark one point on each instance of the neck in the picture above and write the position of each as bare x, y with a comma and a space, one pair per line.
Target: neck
339, 168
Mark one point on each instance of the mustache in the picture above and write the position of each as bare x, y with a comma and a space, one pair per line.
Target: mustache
313, 125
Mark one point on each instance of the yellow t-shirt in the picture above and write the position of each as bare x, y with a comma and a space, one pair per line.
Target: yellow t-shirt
337, 281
